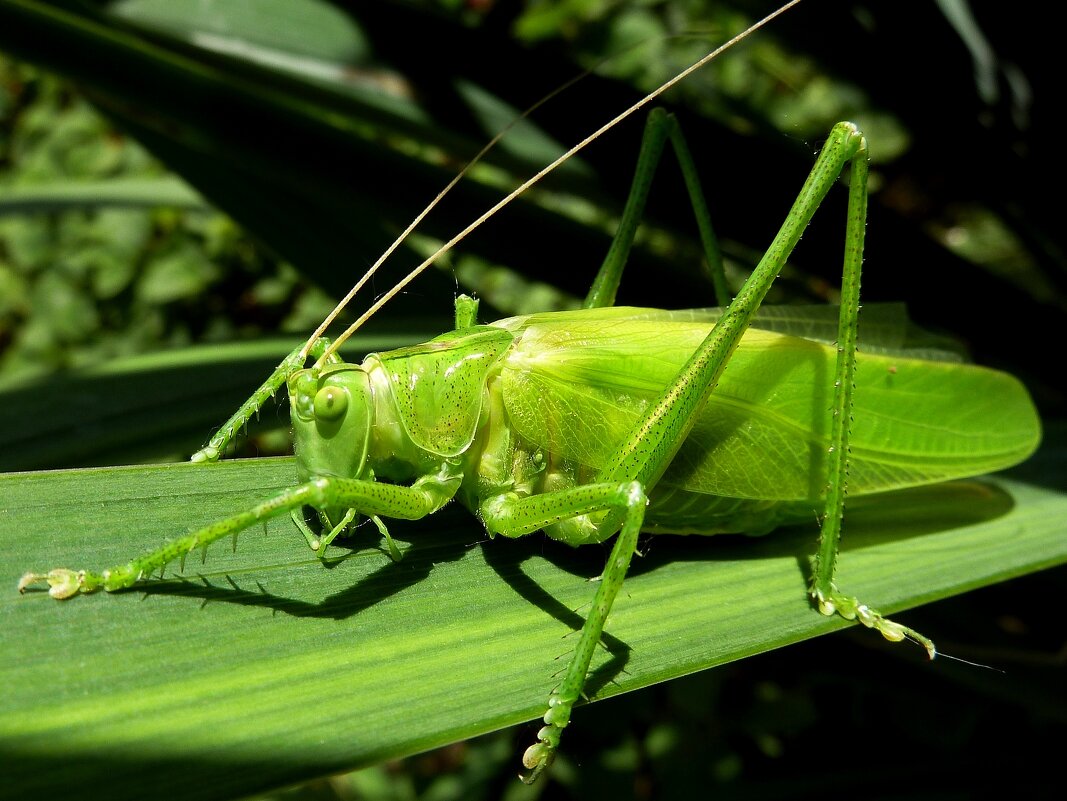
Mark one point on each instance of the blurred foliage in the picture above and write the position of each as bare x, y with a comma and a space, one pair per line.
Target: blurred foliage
646, 44
82, 287
959, 228
357, 114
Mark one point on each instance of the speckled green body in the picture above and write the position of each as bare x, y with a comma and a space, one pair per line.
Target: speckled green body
534, 404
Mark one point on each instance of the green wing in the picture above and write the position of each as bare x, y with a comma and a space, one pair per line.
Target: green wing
577, 382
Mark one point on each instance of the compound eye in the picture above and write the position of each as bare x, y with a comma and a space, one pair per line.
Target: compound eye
331, 403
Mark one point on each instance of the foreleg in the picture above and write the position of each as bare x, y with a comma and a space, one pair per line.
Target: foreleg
367, 497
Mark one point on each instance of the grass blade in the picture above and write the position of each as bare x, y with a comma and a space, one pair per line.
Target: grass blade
261, 668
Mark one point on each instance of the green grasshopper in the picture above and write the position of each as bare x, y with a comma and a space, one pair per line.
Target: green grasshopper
612, 421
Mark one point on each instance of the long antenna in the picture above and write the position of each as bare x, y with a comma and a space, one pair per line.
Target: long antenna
432, 204
411, 276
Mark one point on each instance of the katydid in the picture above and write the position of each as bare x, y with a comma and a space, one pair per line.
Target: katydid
612, 421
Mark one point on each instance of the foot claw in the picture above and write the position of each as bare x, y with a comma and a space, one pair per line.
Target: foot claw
535, 759
62, 583
208, 454
851, 609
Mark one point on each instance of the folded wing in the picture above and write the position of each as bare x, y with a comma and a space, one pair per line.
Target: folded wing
576, 384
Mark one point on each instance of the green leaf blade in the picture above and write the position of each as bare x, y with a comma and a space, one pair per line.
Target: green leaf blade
272, 669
